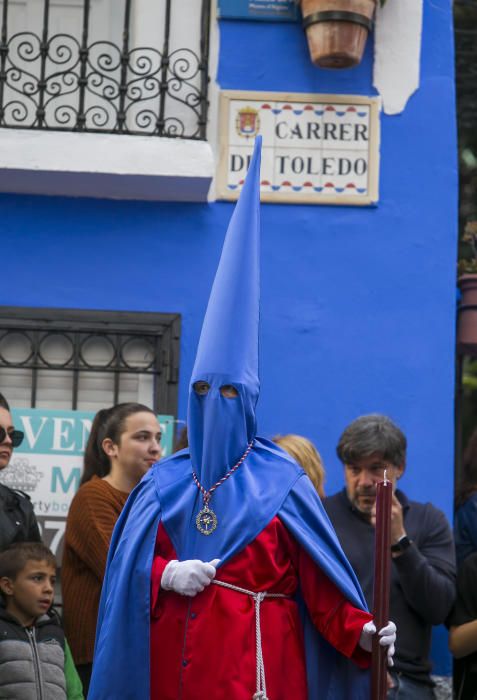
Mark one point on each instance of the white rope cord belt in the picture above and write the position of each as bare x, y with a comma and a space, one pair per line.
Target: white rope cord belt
261, 692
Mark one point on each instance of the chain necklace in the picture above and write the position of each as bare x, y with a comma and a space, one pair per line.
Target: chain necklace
206, 520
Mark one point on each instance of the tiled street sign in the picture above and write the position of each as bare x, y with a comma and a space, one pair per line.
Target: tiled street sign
319, 149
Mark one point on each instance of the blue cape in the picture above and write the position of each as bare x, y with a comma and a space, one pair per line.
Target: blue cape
121, 664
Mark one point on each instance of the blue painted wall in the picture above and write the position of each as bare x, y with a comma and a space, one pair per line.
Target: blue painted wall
358, 303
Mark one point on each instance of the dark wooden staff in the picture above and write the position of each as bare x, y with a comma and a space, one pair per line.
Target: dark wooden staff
382, 583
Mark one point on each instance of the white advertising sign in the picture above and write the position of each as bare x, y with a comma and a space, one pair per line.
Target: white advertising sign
48, 464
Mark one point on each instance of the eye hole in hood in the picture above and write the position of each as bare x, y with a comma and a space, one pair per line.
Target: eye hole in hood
228, 391
201, 388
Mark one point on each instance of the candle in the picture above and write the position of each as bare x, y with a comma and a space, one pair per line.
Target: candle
382, 582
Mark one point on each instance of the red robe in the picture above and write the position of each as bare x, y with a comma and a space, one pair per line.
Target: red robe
204, 647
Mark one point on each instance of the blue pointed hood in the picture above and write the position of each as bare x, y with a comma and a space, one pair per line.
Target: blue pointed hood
220, 428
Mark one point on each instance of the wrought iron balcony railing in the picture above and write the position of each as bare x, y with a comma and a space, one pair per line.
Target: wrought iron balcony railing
85, 82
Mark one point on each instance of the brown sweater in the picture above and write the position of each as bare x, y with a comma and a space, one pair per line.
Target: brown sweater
91, 519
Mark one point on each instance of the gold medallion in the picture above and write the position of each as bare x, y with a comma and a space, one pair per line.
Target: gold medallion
206, 520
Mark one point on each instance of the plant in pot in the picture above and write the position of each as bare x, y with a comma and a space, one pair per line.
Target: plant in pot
467, 269
337, 30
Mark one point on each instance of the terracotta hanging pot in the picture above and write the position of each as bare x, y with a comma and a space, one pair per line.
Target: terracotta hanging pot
337, 30
467, 319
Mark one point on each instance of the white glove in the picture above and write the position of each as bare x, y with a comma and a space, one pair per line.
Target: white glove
188, 577
387, 634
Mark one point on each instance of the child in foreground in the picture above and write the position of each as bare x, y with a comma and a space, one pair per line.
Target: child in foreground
35, 661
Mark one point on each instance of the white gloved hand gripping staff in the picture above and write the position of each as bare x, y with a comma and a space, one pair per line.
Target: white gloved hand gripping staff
387, 638
188, 577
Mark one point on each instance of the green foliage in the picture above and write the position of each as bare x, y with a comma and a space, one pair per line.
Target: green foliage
468, 254
470, 383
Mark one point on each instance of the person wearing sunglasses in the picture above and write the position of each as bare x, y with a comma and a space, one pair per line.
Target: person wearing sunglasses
17, 519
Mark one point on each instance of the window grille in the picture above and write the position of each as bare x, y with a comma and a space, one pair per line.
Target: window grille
86, 360
465, 12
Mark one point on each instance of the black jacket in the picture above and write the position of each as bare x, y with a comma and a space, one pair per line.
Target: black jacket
422, 578
17, 519
465, 610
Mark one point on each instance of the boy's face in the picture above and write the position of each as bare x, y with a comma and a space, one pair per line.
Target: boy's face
30, 594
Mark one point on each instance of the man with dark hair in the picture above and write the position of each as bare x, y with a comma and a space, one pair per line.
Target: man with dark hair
422, 549
17, 519
15, 558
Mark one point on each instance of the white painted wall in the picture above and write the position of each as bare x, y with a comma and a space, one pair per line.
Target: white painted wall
104, 165
397, 52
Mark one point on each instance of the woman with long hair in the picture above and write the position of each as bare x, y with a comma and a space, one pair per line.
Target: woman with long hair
306, 455
123, 444
17, 519
463, 619
465, 526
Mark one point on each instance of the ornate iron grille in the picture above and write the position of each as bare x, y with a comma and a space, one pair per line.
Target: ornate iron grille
465, 13
465, 23
59, 81
465, 18
40, 332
